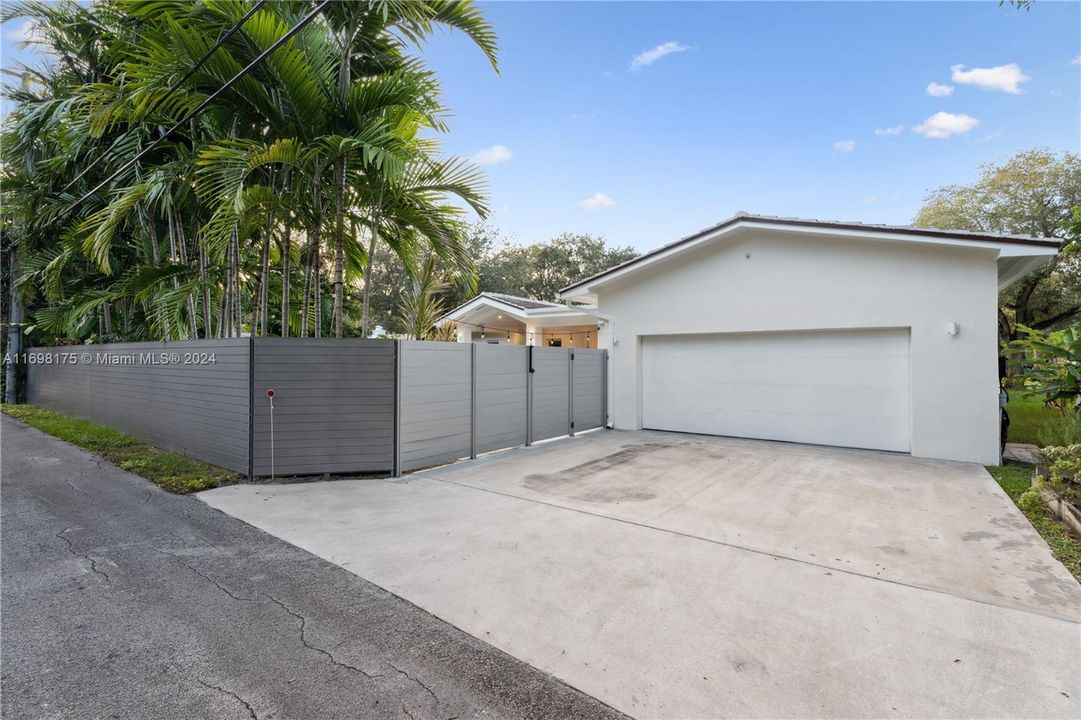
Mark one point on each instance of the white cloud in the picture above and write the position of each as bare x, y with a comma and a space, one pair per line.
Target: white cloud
648, 57
870, 200
944, 124
844, 146
886, 132
598, 201
937, 90
1007, 78
1076, 60
493, 156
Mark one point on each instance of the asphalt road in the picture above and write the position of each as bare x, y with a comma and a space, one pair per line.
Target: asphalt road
123, 601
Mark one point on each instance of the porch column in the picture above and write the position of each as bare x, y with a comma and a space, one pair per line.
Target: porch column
533, 334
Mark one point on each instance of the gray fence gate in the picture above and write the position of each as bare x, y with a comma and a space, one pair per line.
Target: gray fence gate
501, 379
458, 400
550, 407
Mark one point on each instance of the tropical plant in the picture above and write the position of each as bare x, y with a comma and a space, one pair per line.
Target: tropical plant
422, 304
1064, 465
1050, 364
265, 212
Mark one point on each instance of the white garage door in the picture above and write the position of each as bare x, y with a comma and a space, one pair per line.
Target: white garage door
845, 388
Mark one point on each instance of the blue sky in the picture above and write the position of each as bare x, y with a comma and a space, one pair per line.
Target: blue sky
746, 113
764, 107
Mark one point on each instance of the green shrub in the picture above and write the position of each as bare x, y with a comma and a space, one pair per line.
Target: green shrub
1050, 363
1030, 501
1060, 429
1065, 468
1016, 480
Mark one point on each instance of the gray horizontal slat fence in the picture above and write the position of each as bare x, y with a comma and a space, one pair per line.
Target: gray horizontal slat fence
588, 390
435, 389
333, 405
340, 406
200, 409
551, 396
501, 396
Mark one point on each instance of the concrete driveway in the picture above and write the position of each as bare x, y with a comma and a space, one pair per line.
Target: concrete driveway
685, 576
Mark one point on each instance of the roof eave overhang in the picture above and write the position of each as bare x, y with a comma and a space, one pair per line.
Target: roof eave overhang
485, 301
478, 302
1013, 268
1006, 248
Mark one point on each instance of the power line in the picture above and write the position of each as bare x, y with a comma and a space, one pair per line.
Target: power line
203, 105
175, 86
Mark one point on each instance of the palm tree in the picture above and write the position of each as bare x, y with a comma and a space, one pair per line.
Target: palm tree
423, 302
318, 146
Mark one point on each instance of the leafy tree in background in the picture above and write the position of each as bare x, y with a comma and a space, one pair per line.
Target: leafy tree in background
537, 271
1034, 193
540, 270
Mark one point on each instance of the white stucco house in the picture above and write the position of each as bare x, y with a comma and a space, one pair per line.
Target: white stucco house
862, 336
499, 318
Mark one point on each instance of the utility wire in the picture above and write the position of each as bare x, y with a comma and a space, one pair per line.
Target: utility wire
203, 105
175, 86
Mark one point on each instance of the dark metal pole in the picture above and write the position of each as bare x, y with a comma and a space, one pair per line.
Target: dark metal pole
15, 333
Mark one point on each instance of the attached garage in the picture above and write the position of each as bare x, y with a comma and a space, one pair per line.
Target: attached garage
844, 388
863, 336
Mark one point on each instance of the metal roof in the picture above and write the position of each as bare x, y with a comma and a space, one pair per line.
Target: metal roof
521, 302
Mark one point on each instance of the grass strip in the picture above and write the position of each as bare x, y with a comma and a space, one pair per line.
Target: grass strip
1016, 480
168, 470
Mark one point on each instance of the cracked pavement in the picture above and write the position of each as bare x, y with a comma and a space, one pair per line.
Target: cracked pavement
123, 601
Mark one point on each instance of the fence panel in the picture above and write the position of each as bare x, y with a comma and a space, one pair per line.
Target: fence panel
589, 410
336, 403
190, 396
333, 405
436, 402
551, 392
501, 375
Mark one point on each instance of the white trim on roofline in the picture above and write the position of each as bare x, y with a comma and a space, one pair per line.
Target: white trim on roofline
485, 300
1007, 247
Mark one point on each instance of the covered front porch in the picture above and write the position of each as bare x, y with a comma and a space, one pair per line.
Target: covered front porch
496, 318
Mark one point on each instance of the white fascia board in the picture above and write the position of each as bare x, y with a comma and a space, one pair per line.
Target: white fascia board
556, 312
1004, 249
482, 301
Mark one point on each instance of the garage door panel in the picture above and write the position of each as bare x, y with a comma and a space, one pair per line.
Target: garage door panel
875, 433
867, 402
847, 388
823, 371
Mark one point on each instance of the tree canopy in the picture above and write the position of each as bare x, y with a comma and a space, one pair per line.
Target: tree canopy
1034, 193
538, 270
264, 211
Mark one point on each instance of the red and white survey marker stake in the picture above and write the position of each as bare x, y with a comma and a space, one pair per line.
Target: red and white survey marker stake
270, 396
